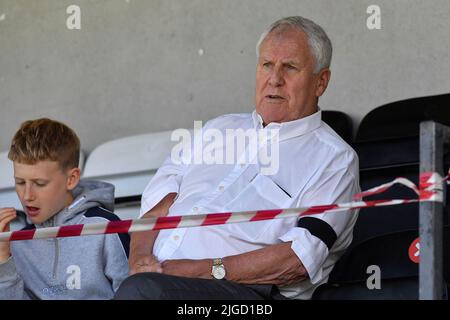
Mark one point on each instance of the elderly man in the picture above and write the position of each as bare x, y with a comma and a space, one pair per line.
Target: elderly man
280, 258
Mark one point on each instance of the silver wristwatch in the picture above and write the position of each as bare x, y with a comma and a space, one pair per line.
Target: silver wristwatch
218, 269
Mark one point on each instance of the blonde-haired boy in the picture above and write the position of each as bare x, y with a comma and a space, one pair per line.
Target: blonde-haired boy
45, 154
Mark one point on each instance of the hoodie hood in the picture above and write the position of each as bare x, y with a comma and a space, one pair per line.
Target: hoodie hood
88, 194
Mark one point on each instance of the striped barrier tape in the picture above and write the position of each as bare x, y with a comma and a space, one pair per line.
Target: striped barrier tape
430, 189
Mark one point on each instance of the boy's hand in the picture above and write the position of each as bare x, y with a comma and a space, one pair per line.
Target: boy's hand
6, 216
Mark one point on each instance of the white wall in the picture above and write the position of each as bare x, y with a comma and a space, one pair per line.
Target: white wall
135, 67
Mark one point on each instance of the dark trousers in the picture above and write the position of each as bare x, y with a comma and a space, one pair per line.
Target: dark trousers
157, 286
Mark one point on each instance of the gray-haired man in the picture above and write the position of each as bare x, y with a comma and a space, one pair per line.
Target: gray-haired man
282, 258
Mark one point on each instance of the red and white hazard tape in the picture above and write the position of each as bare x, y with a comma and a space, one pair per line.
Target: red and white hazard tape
430, 189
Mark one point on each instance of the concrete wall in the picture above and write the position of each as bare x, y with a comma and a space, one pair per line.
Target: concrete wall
136, 66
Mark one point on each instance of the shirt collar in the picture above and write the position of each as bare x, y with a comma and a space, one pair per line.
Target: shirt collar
293, 128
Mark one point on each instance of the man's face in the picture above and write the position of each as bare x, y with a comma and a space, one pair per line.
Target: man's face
286, 87
44, 188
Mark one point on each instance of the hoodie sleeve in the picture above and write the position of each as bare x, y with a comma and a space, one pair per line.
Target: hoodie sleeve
11, 284
115, 253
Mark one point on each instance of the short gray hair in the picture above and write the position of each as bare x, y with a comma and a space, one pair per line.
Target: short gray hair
318, 41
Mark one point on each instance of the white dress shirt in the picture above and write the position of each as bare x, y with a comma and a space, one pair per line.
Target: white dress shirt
316, 167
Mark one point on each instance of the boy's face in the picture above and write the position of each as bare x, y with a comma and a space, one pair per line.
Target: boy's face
44, 188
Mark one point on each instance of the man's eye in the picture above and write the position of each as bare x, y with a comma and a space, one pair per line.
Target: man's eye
291, 67
41, 184
20, 182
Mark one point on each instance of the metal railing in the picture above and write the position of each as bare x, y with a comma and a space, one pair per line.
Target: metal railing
434, 140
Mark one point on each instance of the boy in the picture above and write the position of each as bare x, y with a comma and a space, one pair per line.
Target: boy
45, 154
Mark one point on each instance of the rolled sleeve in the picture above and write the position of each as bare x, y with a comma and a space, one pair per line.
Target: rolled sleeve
311, 251
155, 194
332, 231
166, 180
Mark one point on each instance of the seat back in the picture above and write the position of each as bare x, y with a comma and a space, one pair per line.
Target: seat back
390, 256
387, 144
8, 196
339, 122
129, 163
402, 118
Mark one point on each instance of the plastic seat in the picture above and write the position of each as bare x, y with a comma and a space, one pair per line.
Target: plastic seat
399, 275
387, 144
8, 196
401, 119
339, 122
129, 163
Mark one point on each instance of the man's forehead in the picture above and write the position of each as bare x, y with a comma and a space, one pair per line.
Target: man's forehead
293, 39
287, 49
284, 29
287, 60
287, 33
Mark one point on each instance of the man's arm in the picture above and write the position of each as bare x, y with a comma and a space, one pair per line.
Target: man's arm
141, 246
276, 264
287, 262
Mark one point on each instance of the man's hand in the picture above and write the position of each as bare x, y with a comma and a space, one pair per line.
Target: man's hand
144, 263
141, 245
6, 216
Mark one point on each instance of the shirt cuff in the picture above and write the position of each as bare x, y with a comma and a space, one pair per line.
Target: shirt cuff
311, 251
153, 196
8, 270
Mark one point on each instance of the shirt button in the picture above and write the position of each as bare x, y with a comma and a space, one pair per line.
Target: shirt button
176, 238
221, 188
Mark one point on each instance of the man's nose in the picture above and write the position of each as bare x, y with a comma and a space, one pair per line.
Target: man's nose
276, 77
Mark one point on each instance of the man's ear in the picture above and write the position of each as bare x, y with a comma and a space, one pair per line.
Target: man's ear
322, 81
73, 177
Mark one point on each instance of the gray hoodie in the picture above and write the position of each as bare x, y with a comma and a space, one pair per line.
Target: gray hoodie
86, 267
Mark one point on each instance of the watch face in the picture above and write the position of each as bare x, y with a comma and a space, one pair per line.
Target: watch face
218, 272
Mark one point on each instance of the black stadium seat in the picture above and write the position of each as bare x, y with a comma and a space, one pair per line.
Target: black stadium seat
399, 274
387, 144
339, 122
402, 118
